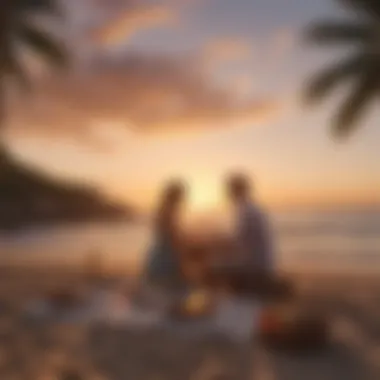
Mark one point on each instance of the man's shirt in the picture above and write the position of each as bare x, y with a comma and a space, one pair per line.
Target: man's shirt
254, 237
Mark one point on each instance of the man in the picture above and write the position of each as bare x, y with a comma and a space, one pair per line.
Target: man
252, 233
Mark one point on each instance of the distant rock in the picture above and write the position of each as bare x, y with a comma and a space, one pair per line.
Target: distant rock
30, 198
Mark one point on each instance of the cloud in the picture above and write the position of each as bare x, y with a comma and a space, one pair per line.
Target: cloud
283, 41
249, 114
91, 25
132, 21
148, 92
225, 50
242, 83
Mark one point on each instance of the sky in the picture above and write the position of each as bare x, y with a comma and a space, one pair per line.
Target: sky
195, 89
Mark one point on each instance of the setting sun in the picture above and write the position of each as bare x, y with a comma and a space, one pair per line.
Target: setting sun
204, 197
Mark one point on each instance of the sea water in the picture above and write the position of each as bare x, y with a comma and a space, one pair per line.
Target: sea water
323, 241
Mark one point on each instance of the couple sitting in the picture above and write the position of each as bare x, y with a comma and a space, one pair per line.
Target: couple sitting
253, 253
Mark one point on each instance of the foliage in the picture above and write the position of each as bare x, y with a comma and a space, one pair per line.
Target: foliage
361, 70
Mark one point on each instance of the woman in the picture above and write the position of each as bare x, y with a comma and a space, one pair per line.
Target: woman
163, 269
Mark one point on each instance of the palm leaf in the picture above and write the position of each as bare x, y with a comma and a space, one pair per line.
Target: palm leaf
13, 67
43, 44
368, 7
324, 82
337, 32
45, 6
364, 93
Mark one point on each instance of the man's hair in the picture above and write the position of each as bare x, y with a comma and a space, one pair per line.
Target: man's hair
239, 184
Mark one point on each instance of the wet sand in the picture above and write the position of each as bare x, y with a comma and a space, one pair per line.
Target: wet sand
45, 351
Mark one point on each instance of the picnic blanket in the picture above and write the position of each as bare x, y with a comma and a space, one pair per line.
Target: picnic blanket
233, 317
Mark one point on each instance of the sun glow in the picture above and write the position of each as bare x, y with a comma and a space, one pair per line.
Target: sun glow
207, 213
203, 197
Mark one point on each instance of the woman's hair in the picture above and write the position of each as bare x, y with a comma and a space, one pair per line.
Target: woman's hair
173, 192
172, 195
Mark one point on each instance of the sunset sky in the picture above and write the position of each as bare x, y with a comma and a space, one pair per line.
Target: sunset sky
193, 88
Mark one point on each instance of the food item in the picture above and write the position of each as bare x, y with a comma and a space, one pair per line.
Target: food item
196, 304
291, 328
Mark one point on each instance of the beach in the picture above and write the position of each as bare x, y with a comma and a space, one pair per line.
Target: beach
41, 350
176, 203
319, 251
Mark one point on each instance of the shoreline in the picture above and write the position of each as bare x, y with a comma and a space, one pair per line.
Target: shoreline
58, 268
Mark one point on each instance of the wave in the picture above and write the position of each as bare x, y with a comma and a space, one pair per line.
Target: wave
330, 227
355, 224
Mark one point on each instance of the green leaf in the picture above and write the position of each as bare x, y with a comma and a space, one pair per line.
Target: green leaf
327, 80
43, 44
338, 32
365, 92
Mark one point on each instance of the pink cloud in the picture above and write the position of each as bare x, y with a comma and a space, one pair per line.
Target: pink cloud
132, 21
226, 49
151, 93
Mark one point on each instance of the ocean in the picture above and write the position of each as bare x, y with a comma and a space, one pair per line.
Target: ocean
323, 241
329, 240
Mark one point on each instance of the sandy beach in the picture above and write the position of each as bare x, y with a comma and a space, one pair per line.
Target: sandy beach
42, 351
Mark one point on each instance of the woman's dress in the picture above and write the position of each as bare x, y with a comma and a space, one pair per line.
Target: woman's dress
163, 267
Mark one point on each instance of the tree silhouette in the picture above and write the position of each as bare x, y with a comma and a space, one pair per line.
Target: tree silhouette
18, 30
361, 70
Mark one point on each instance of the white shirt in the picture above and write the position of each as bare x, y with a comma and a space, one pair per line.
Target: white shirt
254, 237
